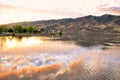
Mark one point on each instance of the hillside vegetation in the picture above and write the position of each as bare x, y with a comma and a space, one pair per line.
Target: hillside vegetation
99, 24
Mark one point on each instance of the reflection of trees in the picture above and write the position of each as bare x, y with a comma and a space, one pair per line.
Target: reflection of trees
18, 38
2, 41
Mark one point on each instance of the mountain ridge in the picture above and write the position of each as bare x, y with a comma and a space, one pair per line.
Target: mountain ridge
90, 23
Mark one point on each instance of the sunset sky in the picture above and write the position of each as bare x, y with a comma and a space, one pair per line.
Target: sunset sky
30, 10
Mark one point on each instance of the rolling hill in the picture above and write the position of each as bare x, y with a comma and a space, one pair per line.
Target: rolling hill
106, 23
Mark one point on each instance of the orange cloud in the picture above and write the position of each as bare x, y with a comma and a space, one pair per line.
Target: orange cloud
29, 72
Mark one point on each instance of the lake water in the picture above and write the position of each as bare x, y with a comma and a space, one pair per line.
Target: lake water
83, 57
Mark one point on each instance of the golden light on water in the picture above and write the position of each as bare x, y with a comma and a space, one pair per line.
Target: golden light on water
24, 42
11, 44
30, 41
29, 45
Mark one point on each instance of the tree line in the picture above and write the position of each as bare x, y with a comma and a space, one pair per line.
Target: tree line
27, 29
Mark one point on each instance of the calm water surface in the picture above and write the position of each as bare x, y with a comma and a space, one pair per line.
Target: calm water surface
81, 57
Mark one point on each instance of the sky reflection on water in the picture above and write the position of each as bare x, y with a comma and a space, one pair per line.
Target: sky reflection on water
40, 58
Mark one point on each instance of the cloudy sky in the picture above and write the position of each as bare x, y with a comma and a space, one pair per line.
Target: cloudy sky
30, 10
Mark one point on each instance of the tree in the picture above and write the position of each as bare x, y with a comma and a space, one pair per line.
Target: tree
18, 29
42, 29
24, 30
35, 30
3, 28
29, 29
60, 33
10, 30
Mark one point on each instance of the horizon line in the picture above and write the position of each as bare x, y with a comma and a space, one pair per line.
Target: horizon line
55, 19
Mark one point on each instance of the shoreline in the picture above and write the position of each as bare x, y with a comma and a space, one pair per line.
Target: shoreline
22, 34
39, 34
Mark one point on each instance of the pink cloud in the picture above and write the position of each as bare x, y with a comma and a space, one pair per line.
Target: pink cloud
7, 6
114, 10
